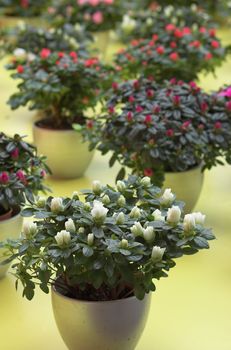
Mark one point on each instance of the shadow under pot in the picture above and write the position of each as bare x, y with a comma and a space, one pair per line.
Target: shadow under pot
10, 228
100, 325
67, 155
186, 185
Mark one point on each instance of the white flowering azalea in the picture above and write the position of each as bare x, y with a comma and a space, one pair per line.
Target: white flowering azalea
158, 215
29, 229
57, 205
128, 24
145, 181
99, 212
137, 229
174, 214
106, 200
124, 244
121, 201
157, 253
149, 234
70, 226
96, 187
75, 195
63, 238
149, 21
199, 218
81, 230
167, 197
120, 219
90, 239
87, 206
31, 57
135, 213
41, 202
120, 185
19, 52
189, 222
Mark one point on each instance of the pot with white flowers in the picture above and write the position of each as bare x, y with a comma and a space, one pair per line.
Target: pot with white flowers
21, 176
101, 257
170, 132
62, 86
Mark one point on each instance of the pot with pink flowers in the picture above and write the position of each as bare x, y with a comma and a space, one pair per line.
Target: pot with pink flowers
21, 177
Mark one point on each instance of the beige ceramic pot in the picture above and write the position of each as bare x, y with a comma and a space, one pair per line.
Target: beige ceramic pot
106, 325
67, 155
9, 228
186, 185
101, 42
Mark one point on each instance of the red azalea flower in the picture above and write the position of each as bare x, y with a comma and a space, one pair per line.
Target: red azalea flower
173, 81
73, 55
43, 173
156, 110
195, 43
178, 33
150, 93
155, 37
4, 177
215, 44
136, 84
139, 109
15, 153
170, 132
204, 107
174, 56
160, 50
208, 56
217, 125
129, 116
192, 84
61, 54
228, 105
111, 109
148, 119
170, 27
24, 3
173, 44
45, 53
20, 175
20, 69
176, 100
115, 86
186, 31
131, 99
151, 43
91, 62
180, 82
202, 30
90, 124
212, 32
148, 172
186, 124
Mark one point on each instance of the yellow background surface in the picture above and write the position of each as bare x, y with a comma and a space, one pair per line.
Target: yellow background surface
191, 310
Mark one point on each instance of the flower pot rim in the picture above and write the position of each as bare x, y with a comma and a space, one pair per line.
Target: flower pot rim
36, 126
195, 167
54, 290
16, 212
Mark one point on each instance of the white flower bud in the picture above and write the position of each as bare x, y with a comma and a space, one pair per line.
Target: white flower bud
19, 52
41, 202
70, 226
149, 234
99, 212
106, 200
135, 213
87, 206
145, 181
57, 205
81, 230
63, 238
90, 239
199, 218
96, 187
31, 57
75, 195
173, 215
189, 222
124, 244
121, 201
120, 186
149, 21
158, 215
29, 229
137, 229
120, 219
168, 197
128, 24
157, 254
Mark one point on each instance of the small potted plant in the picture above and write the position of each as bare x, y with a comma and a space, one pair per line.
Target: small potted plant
165, 131
24, 40
62, 86
97, 16
175, 51
21, 177
101, 257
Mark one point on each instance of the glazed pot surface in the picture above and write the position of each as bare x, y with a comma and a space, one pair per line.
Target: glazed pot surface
106, 325
9, 228
187, 186
67, 155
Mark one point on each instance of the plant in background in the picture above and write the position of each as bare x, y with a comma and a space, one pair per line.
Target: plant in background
61, 85
156, 128
24, 8
22, 172
24, 41
180, 52
94, 15
144, 23
108, 247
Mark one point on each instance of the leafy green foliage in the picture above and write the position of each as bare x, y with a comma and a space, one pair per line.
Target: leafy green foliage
23, 8
93, 250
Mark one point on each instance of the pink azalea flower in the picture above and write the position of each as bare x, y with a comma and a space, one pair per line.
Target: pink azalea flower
226, 92
97, 17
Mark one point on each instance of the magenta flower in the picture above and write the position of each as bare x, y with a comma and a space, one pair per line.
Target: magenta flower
4, 177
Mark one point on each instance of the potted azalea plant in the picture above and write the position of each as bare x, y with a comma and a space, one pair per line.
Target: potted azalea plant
23, 8
101, 257
62, 86
97, 16
21, 177
173, 51
167, 131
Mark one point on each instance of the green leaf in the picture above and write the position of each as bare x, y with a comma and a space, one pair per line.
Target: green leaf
201, 242
121, 174
88, 251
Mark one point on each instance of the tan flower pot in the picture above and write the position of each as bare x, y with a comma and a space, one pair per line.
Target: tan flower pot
106, 325
101, 41
186, 185
67, 155
9, 228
